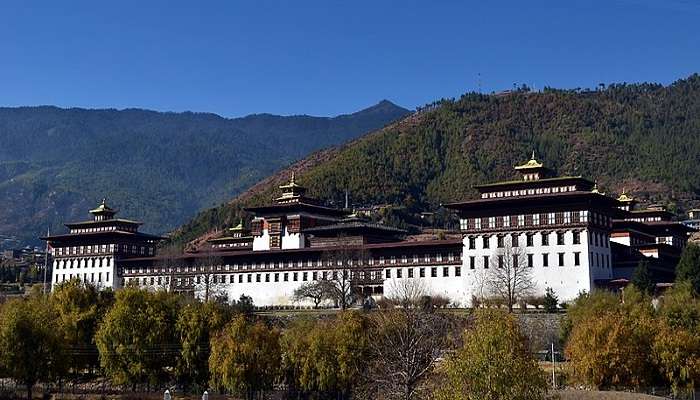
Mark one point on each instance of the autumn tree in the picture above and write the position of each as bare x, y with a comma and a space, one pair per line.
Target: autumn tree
688, 269
613, 347
405, 343
326, 358
245, 358
31, 342
137, 341
677, 340
494, 363
508, 277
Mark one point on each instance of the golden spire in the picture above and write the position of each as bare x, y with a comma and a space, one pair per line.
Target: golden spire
624, 197
533, 163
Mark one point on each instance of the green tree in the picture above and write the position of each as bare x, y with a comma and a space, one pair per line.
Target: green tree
31, 345
550, 300
493, 364
196, 323
688, 269
326, 357
245, 357
80, 308
137, 340
641, 278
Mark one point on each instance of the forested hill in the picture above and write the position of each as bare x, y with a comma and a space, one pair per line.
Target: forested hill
644, 137
161, 168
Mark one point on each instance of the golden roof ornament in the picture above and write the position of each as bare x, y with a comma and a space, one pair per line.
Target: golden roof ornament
103, 207
531, 164
624, 197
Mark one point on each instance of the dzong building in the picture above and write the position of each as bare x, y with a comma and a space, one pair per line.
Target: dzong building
571, 237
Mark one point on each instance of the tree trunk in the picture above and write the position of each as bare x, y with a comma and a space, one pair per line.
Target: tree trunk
29, 391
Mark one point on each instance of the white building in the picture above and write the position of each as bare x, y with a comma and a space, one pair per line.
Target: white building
559, 228
91, 250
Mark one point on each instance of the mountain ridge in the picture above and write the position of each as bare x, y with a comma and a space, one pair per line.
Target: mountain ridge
645, 137
160, 167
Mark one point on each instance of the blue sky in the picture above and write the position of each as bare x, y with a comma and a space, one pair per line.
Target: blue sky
330, 57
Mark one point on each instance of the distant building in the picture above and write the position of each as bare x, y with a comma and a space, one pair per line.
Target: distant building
573, 237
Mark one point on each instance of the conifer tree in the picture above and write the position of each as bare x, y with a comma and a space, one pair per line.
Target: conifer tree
688, 269
641, 278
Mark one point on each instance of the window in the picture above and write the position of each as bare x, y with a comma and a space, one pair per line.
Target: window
250, 278
577, 237
107, 278
577, 258
560, 238
486, 262
530, 240
545, 238
421, 272
240, 278
472, 243
399, 273
515, 261
305, 276
433, 272
296, 276
230, 279
458, 271
285, 277
314, 276
545, 260
388, 273
499, 242
485, 240
410, 272
445, 271
530, 262
500, 261
561, 259
514, 240
472, 262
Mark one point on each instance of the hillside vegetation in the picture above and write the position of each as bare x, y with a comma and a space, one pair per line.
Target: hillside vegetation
161, 168
643, 137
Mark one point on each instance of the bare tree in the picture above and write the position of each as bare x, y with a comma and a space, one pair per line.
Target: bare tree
208, 282
509, 277
348, 267
315, 291
406, 342
166, 265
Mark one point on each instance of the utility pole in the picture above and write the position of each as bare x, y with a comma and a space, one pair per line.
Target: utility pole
554, 379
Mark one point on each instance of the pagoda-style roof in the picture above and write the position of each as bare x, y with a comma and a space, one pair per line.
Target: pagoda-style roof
578, 181
537, 203
71, 237
105, 222
355, 226
286, 208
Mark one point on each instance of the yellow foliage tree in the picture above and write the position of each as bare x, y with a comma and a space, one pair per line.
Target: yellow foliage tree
245, 358
493, 364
